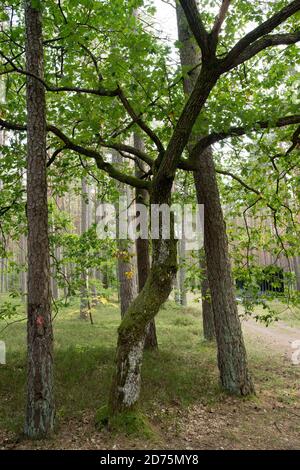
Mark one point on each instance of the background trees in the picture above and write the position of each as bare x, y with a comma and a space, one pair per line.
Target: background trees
107, 78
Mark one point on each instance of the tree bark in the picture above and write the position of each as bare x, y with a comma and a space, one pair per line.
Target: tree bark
232, 358
142, 248
190, 56
209, 331
125, 267
40, 402
125, 387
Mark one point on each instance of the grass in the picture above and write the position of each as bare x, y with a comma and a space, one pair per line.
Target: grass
288, 314
182, 372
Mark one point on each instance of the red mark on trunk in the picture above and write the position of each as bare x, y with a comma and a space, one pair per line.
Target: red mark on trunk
40, 321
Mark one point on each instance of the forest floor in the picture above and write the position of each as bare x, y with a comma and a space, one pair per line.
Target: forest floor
181, 398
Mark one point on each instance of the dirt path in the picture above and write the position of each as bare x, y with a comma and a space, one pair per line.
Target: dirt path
279, 336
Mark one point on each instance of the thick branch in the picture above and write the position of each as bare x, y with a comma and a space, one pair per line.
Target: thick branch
262, 30
264, 43
239, 131
100, 162
196, 25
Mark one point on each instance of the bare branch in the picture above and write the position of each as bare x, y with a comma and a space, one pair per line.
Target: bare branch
129, 149
138, 120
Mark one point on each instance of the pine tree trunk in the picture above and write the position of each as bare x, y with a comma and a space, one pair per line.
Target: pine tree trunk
126, 253
209, 332
84, 281
190, 56
182, 288
232, 358
40, 402
297, 271
142, 248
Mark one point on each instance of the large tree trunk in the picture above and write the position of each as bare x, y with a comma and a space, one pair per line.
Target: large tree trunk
40, 402
232, 358
209, 331
190, 56
142, 248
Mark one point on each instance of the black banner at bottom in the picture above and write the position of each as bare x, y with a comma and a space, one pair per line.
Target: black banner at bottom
133, 459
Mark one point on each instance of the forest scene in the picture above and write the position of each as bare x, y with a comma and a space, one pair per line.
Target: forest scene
149, 226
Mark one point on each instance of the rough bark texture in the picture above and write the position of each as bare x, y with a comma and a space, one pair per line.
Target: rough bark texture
190, 56
142, 248
209, 332
40, 402
232, 358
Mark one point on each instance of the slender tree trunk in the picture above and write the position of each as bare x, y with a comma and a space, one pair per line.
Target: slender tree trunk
232, 358
182, 288
297, 271
40, 402
125, 267
142, 247
85, 311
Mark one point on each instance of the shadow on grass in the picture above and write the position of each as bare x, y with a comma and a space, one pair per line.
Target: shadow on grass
83, 375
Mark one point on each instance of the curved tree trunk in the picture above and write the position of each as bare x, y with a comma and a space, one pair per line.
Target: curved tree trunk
40, 402
125, 387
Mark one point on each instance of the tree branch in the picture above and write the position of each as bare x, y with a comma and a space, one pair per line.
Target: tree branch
264, 43
129, 149
138, 120
220, 20
239, 131
101, 91
196, 25
100, 162
262, 30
